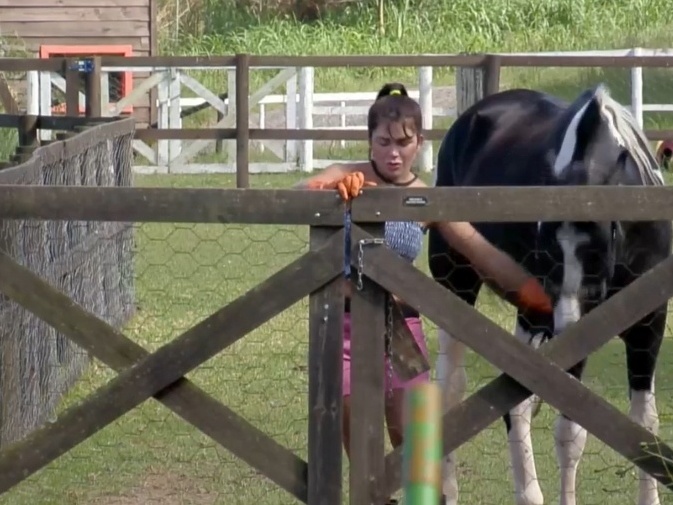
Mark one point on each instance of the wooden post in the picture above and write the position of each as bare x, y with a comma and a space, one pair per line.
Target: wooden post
93, 92
218, 142
28, 138
291, 117
425, 100
231, 113
324, 386
72, 74
45, 96
306, 88
242, 121
637, 88
174, 119
368, 328
474, 83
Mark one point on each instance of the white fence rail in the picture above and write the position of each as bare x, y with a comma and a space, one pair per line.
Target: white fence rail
302, 108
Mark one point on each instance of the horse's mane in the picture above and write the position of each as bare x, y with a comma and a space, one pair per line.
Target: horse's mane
630, 136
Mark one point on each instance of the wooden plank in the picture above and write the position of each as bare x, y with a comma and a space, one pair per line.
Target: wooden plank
291, 206
242, 117
55, 14
73, 3
68, 28
367, 422
405, 354
139, 92
203, 92
397, 60
325, 408
523, 363
217, 133
197, 146
172, 205
156, 374
515, 204
141, 45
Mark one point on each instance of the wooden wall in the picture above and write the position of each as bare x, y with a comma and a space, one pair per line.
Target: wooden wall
33, 23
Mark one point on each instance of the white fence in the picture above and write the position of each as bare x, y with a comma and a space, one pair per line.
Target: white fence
301, 107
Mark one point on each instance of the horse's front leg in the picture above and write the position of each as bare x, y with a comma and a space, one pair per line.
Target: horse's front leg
518, 423
643, 342
570, 439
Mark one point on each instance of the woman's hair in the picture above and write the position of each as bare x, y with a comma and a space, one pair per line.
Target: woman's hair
393, 104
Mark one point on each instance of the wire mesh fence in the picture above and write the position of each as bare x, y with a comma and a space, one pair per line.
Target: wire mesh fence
156, 280
89, 261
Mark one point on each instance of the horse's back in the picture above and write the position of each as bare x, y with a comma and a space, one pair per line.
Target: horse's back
501, 141
497, 141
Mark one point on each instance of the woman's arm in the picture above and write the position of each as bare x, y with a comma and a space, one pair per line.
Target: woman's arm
494, 264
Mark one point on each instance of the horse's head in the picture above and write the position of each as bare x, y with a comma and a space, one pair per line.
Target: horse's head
596, 142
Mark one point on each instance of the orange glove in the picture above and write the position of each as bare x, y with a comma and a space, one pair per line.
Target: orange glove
349, 186
531, 296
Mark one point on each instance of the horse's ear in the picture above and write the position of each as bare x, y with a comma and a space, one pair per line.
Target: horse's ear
576, 130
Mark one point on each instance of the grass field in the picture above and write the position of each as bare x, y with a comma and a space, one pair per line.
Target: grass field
186, 272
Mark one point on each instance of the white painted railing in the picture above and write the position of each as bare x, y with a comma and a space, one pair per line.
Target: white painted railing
302, 107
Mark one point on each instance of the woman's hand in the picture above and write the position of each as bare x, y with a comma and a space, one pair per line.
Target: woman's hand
531, 296
349, 186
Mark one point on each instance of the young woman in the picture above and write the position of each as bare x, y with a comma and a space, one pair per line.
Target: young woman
395, 125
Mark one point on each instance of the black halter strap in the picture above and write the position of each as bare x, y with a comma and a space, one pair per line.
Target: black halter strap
385, 179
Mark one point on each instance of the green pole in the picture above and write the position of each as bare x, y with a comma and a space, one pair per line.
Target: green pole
422, 451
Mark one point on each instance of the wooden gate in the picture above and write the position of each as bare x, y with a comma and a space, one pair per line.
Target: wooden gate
317, 274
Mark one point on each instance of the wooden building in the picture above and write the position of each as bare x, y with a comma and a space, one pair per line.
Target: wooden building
85, 28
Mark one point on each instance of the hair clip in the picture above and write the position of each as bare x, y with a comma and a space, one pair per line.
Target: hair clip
395, 92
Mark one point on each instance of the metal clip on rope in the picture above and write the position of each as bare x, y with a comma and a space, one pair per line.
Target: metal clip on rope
361, 253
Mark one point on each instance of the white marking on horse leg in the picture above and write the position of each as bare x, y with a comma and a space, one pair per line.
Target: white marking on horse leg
526, 486
452, 378
570, 439
536, 401
567, 308
644, 412
565, 153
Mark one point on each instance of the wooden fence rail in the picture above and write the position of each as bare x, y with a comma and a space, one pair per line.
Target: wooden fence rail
478, 76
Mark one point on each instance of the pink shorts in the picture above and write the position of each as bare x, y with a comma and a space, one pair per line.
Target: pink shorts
416, 327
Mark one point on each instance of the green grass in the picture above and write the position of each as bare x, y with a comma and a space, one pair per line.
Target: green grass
184, 273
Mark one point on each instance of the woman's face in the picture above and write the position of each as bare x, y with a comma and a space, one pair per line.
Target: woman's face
394, 147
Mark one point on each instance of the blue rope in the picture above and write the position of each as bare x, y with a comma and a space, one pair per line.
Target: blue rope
347, 243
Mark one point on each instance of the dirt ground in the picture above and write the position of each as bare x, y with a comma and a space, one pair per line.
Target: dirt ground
164, 489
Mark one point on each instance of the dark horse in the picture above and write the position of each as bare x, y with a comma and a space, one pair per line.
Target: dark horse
528, 138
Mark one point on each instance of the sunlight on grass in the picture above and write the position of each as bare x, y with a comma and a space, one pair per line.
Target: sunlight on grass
184, 273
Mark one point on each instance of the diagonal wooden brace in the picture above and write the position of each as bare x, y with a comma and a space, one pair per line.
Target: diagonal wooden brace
534, 370
161, 374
